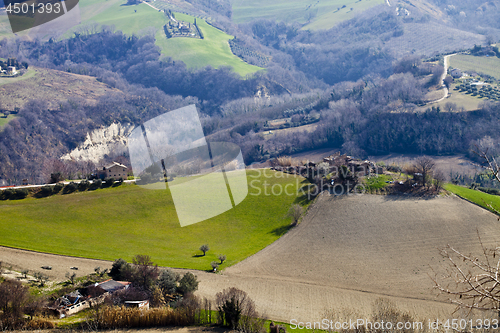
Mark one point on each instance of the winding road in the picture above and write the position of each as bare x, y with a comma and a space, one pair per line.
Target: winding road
446, 92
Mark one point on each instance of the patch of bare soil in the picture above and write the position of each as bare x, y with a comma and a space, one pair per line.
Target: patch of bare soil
349, 251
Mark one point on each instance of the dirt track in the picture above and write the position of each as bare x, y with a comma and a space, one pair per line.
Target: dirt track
346, 253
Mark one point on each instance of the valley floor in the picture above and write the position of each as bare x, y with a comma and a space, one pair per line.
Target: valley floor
346, 253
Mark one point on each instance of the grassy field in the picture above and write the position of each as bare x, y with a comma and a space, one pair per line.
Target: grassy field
468, 102
213, 50
6, 80
485, 65
318, 15
4, 121
377, 182
129, 220
480, 198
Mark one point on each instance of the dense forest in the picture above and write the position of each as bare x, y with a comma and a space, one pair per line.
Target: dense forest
344, 81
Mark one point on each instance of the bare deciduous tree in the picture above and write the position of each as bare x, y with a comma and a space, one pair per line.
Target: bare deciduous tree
439, 179
424, 165
295, 212
473, 281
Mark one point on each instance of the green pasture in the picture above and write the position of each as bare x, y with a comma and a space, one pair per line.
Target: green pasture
480, 198
315, 14
128, 220
484, 65
141, 19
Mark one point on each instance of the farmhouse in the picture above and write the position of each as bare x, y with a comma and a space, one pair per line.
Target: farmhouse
95, 294
114, 170
110, 286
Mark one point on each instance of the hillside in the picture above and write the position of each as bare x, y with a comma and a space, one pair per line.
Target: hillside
143, 19
128, 220
51, 85
315, 14
348, 251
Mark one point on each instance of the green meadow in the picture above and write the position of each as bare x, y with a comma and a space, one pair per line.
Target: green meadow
124, 221
484, 65
315, 14
213, 50
480, 198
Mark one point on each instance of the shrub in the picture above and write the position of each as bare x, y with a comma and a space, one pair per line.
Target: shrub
83, 185
188, 283
46, 191
95, 185
70, 188
168, 281
108, 182
6, 194
58, 187
237, 311
19, 193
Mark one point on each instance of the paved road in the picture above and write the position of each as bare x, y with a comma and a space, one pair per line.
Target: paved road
66, 182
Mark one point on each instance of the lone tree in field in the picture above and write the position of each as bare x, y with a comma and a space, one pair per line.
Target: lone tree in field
204, 248
222, 258
424, 165
473, 282
295, 212
214, 265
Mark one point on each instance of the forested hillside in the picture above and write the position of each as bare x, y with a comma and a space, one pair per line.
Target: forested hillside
345, 87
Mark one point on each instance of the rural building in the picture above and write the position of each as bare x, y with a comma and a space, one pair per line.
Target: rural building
456, 73
114, 170
11, 70
110, 286
137, 304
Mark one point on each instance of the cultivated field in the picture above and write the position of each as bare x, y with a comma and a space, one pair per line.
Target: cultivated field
320, 14
429, 39
484, 65
350, 250
52, 86
130, 220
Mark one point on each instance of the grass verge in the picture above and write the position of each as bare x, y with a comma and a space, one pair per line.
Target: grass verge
480, 198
